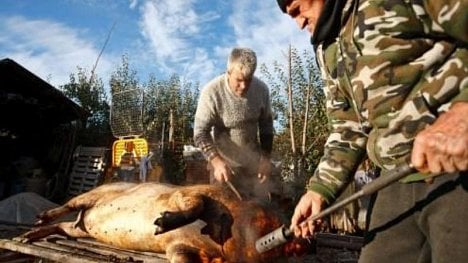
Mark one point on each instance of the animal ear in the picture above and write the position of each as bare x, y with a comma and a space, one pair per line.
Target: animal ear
219, 228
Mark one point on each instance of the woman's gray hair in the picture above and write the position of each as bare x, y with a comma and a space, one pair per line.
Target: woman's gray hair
243, 60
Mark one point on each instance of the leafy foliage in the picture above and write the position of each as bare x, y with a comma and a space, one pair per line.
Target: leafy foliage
89, 93
167, 113
124, 78
160, 100
163, 97
127, 102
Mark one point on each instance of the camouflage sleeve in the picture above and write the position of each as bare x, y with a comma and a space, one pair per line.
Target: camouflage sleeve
463, 95
449, 17
345, 146
448, 20
440, 89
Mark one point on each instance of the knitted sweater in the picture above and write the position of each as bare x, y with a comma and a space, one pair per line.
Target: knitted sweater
239, 129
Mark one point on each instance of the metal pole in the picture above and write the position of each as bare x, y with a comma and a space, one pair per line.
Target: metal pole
282, 235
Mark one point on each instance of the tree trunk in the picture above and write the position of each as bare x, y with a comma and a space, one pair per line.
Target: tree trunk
291, 106
306, 118
171, 129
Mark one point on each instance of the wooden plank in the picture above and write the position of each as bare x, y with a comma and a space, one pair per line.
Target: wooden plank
87, 171
60, 249
42, 252
113, 251
70, 250
93, 151
88, 167
80, 182
94, 242
85, 176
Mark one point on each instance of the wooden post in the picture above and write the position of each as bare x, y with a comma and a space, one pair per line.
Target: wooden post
171, 130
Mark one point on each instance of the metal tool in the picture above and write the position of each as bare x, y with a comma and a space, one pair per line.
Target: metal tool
282, 235
231, 186
234, 190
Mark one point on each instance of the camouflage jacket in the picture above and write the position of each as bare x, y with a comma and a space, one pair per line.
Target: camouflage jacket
395, 66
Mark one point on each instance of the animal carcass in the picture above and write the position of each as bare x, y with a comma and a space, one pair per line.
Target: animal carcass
198, 223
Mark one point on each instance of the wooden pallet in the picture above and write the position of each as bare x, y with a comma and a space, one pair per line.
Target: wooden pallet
87, 171
82, 250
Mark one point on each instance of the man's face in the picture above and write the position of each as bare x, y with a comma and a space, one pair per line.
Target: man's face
305, 12
239, 83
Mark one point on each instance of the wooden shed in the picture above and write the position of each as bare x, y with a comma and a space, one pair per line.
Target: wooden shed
37, 132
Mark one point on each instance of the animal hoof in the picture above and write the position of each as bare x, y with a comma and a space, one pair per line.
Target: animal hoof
160, 224
159, 230
21, 239
164, 220
171, 220
158, 221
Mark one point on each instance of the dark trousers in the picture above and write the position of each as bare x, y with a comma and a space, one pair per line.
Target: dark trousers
419, 222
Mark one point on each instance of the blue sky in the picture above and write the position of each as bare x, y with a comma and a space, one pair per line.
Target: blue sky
191, 38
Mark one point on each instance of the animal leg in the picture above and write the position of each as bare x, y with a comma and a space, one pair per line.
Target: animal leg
185, 208
64, 228
83, 201
52, 214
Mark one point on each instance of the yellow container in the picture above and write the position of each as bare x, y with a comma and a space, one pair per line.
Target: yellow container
138, 146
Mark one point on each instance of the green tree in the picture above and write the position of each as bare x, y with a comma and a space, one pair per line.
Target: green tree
124, 78
126, 117
89, 92
168, 118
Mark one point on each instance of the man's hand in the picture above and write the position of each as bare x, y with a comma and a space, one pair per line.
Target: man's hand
264, 169
310, 204
221, 170
443, 146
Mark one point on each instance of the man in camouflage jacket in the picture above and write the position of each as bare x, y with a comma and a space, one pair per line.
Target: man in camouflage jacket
396, 76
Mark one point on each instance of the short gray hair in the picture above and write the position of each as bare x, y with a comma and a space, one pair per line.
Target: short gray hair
244, 60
